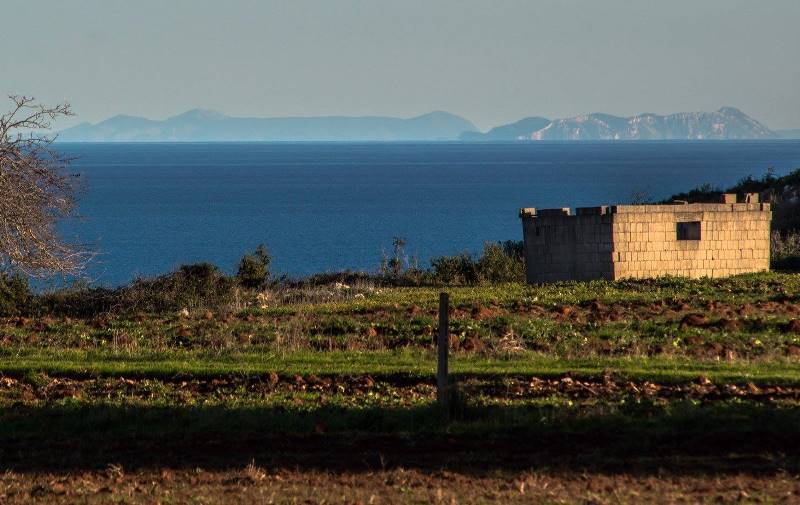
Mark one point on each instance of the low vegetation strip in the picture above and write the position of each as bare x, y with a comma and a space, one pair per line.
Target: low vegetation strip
402, 365
746, 318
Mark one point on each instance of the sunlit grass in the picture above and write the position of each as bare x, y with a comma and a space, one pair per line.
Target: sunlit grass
413, 363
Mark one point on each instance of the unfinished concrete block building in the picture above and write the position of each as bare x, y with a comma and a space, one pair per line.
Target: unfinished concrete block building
615, 242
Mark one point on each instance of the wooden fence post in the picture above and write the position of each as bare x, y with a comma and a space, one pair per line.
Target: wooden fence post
443, 344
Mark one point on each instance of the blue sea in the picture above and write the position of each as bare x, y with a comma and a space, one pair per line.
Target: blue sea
148, 208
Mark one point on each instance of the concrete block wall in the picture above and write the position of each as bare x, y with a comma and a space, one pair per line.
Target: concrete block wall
561, 246
734, 238
638, 241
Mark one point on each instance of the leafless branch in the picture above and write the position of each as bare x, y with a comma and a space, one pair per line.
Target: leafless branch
36, 192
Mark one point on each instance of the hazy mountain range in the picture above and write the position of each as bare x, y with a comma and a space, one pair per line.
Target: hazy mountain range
203, 126
728, 123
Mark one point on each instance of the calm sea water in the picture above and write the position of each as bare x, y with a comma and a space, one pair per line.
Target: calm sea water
148, 208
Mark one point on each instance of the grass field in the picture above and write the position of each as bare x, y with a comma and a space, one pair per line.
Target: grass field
660, 391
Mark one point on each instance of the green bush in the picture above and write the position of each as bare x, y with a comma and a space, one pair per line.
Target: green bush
502, 262
197, 286
15, 295
781, 192
785, 250
254, 268
200, 281
456, 270
79, 301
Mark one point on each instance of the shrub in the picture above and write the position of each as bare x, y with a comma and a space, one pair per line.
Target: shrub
396, 264
499, 262
458, 269
15, 295
200, 280
399, 269
197, 286
705, 193
502, 262
201, 285
786, 215
785, 250
254, 268
781, 192
79, 301
343, 277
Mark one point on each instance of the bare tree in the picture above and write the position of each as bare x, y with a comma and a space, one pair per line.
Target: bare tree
36, 191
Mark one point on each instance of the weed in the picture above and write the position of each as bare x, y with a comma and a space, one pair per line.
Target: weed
254, 268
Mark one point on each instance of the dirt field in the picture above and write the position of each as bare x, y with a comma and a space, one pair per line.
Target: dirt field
254, 484
666, 391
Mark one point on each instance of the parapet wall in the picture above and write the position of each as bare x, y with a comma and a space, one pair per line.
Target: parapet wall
692, 240
560, 246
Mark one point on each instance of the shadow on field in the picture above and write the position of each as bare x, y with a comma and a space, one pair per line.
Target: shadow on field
691, 438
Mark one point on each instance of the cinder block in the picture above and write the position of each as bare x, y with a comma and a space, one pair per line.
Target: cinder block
546, 213
592, 211
641, 240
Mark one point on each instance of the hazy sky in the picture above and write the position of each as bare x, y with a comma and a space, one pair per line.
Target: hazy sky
492, 62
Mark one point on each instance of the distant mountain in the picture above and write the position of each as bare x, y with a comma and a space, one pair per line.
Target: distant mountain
520, 130
207, 126
789, 134
728, 123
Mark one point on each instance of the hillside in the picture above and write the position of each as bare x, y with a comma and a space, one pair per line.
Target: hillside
782, 192
728, 123
519, 130
208, 126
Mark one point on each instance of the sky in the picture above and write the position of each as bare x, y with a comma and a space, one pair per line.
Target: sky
491, 62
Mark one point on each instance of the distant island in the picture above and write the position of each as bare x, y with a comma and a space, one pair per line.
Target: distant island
728, 123
199, 125
208, 126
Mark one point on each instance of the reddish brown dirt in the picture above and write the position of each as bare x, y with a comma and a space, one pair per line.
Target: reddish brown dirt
342, 468
606, 387
257, 484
